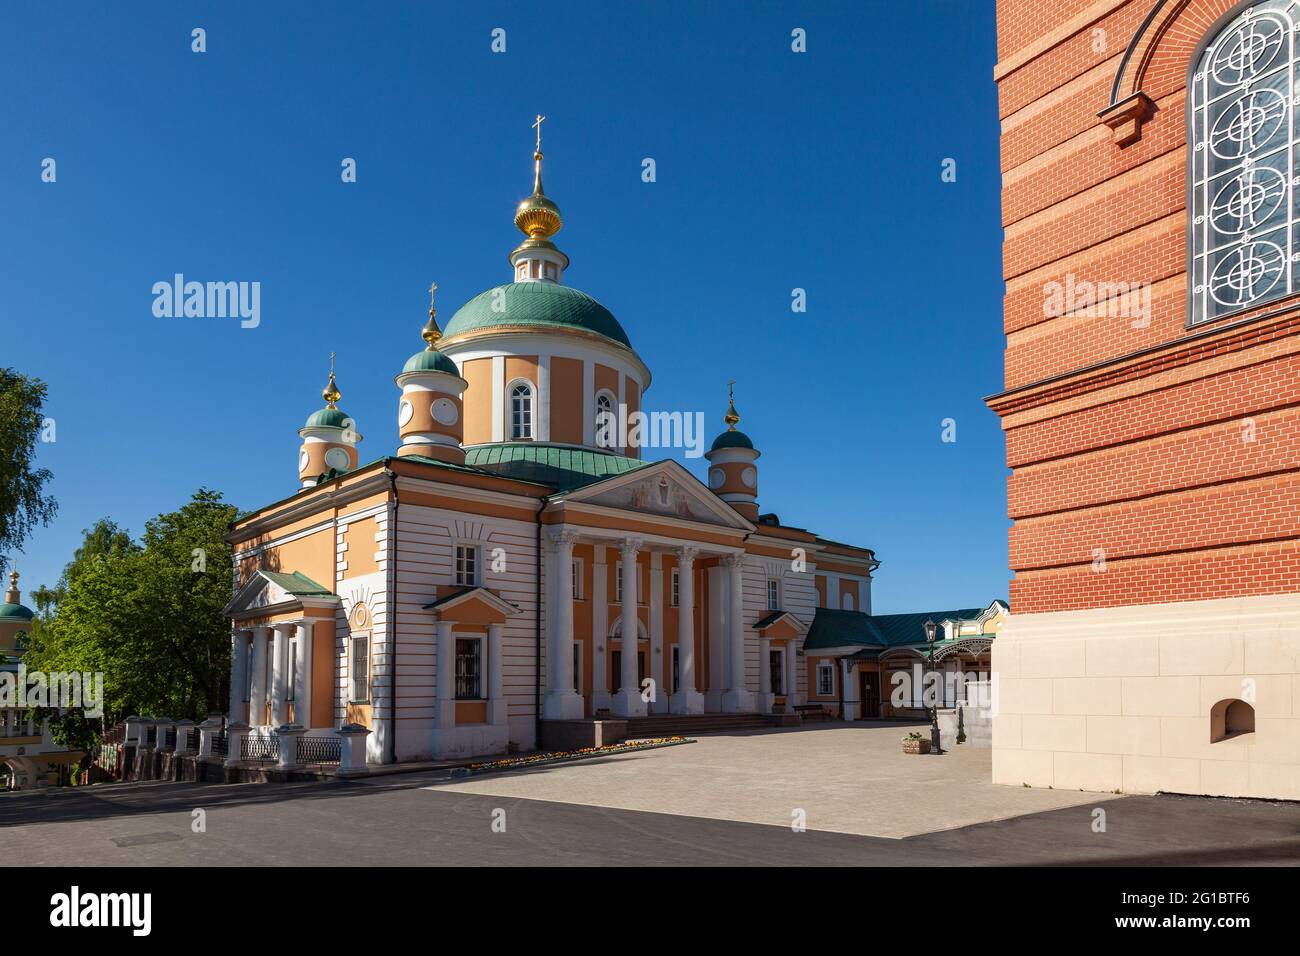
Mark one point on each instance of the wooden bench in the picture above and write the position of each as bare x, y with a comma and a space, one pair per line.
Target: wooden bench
812, 711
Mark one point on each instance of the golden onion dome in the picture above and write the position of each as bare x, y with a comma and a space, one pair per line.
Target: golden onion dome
537, 217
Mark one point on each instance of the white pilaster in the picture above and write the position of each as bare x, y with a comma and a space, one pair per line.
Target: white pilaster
588, 402
444, 706
850, 691
659, 666
736, 698
498, 397
497, 708
627, 701
257, 696
543, 398
687, 700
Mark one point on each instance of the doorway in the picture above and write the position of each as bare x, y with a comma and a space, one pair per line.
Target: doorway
870, 696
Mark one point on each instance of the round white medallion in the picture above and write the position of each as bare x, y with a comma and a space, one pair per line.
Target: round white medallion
716, 477
337, 459
404, 413
444, 412
750, 477
302, 460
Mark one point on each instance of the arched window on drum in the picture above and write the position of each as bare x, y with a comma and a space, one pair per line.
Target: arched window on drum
1244, 240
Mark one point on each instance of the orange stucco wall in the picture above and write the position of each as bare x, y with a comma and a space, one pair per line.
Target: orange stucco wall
478, 400
566, 400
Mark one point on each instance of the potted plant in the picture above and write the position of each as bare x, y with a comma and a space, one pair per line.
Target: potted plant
914, 743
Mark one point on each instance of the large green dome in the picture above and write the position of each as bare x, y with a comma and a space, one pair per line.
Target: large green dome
732, 439
540, 304
16, 610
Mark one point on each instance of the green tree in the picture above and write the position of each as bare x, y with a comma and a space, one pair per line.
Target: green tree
23, 502
148, 615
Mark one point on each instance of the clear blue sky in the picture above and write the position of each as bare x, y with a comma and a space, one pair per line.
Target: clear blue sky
776, 170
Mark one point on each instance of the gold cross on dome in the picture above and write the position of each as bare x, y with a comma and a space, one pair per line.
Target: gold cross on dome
538, 126
433, 289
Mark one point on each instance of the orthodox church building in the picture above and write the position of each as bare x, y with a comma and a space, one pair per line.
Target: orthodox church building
509, 568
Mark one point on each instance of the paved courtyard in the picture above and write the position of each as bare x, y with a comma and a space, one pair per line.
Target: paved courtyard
844, 777
726, 800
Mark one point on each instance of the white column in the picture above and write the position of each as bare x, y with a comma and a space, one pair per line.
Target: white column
659, 667
791, 676
562, 701
627, 702
833, 592
765, 696
444, 705
238, 674
257, 697
498, 712
599, 629
850, 691
302, 690
687, 700
280, 674
736, 698
498, 397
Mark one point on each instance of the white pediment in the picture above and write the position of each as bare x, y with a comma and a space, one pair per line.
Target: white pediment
665, 489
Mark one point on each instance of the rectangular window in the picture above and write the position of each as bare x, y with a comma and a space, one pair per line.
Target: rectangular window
773, 594
293, 668
577, 579
577, 667
469, 668
466, 565
825, 679
359, 669
677, 673
676, 588
775, 671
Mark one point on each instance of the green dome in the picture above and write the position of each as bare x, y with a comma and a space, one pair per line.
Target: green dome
16, 610
540, 304
327, 418
732, 439
431, 360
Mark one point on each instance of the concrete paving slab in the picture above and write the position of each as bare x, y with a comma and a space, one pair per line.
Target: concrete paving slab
845, 777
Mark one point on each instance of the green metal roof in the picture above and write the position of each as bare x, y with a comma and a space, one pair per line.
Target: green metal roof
732, 439
565, 469
541, 304
832, 628
430, 360
327, 418
16, 610
298, 584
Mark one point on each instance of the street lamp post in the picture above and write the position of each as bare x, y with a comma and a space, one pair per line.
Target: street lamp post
935, 748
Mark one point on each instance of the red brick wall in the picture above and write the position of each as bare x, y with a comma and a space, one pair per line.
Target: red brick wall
1168, 456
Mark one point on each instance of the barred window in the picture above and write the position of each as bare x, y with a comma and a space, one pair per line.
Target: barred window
360, 669
1243, 133
825, 679
469, 660
677, 588
466, 565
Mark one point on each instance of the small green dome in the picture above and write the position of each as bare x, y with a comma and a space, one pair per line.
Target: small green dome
732, 439
16, 610
540, 304
431, 360
327, 418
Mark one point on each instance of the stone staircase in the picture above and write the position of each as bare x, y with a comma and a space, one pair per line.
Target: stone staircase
669, 725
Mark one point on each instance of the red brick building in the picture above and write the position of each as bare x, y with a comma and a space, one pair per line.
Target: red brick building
1151, 404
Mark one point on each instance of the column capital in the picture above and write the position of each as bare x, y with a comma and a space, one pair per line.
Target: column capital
686, 555
563, 536
629, 547
733, 560
284, 627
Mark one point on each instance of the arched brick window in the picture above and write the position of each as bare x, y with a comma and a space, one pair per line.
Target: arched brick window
1243, 170
1231, 718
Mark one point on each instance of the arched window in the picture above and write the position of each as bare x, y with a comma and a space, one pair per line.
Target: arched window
1245, 222
606, 424
521, 410
1231, 718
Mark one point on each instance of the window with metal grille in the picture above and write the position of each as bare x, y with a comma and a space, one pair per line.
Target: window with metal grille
1244, 240
360, 669
825, 680
469, 661
466, 565
676, 588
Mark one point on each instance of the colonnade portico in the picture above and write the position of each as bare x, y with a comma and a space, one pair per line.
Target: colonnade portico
563, 697
272, 651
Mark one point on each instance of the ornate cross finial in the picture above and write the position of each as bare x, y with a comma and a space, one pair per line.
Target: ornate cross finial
537, 125
433, 290
431, 333
732, 417
331, 393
